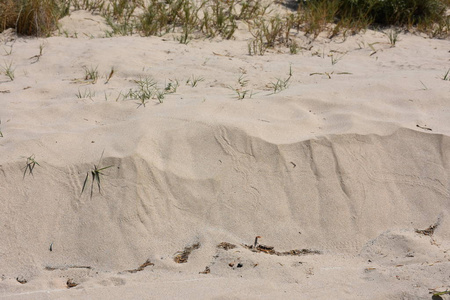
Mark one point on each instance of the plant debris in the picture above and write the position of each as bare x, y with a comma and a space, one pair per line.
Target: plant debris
141, 267
21, 280
429, 231
182, 257
70, 283
207, 271
64, 268
226, 246
271, 250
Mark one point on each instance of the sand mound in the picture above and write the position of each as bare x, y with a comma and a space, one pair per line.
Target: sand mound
347, 161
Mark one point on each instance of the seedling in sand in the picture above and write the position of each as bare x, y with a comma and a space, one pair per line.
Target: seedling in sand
86, 94
424, 86
336, 59
1, 133
393, 37
8, 70
281, 84
242, 80
145, 91
96, 174
90, 74
31, 163
446, 76
193, 81
172, 86
240, 92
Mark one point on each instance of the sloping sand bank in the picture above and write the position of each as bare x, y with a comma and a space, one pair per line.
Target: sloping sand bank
351, 160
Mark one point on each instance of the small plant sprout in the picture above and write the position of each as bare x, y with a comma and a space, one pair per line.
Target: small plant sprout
96, 174
38, 56
145, 91
335, 59
392, 35
242, 81
446, 76
87, 93
90, 74
31, 163
172, 86
280, 84
9, 70
293, 47
1, 133
160, 95
424, 86
108, 77
240, 92
193, 81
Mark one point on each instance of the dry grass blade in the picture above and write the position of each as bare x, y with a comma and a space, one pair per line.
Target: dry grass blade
446, 76
110, 75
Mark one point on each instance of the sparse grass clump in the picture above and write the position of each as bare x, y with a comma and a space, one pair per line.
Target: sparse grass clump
148, 89
90, 74
8, 70
145, 91
280, 84
193, 81
87, 93
31, 163
426, 15
32, 17
392, 35
96, 174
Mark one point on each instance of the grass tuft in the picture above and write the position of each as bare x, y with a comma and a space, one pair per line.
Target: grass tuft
96, 174
32, 17
281, 84
90, 74
9, 70
193, 81
392, 35
31, 163
148, 89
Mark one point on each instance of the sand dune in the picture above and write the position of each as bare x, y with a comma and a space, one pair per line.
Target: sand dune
351, 160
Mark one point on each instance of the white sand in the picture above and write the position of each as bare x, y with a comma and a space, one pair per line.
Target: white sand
334, 164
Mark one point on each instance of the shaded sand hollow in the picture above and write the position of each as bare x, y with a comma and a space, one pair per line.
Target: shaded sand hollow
352, 160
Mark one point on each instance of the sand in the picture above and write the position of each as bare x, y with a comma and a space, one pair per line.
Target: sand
349, 162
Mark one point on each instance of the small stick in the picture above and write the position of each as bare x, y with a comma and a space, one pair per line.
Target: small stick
256, 241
